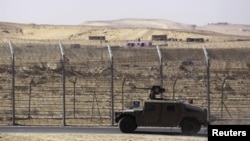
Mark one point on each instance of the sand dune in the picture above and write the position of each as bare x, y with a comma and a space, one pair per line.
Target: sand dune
224, 28
141, 23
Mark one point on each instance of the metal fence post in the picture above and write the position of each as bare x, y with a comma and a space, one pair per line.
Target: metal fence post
13, 82
161, 68
63, 82
111, 85
208, 84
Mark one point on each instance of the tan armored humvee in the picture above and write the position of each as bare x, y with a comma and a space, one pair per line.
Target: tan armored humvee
158, 112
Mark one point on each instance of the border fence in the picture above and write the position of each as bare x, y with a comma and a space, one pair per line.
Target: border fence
61, 84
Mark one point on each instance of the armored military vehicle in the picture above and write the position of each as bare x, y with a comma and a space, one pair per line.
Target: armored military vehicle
159, 112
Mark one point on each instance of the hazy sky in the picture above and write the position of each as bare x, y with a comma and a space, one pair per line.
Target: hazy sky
199, 12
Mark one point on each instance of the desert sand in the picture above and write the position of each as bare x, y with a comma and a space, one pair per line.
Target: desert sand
219, 35
120, 30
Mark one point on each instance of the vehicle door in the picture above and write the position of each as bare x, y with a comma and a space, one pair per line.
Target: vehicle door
152, 112
170, 114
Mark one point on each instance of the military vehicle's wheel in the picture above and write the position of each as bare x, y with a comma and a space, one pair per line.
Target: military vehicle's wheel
127, 125
190, 127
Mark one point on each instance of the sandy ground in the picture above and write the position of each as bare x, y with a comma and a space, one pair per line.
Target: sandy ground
119, 31
93, 137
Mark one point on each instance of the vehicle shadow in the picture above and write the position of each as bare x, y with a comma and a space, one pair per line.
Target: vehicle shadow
171, 133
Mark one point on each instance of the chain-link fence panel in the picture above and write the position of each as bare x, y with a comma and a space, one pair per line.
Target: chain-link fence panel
136, 70
5, 84
230, 85
87, 85
38, 89
83, 76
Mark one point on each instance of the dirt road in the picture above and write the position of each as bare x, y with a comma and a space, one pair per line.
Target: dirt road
93, 137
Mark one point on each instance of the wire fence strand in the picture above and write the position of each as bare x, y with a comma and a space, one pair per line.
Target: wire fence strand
38, 81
